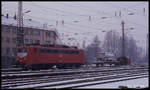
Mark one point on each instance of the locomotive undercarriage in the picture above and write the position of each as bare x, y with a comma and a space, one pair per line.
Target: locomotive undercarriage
49, 66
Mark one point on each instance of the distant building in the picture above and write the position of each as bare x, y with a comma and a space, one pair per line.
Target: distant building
32, 34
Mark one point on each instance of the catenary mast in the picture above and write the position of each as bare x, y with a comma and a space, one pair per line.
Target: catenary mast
20, 31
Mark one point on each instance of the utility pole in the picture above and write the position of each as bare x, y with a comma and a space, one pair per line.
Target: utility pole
123, 41
20, 31
147, 47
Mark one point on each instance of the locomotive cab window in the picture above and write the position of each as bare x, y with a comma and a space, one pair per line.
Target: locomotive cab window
24, 50
55, 51
34, 50
66, 52
76, 52
62, 51
42, 51
19, 49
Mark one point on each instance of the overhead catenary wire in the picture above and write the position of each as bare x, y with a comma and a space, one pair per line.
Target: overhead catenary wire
79, 30
113, 16
126, 8
60, 10
90, 8
98, 11
70, 23
120, 19
87, 27
72, 28
66, 12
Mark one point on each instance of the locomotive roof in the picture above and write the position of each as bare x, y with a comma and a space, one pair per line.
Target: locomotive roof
50, 46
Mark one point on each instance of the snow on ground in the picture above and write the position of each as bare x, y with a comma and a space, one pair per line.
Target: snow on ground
141, 82
53, 83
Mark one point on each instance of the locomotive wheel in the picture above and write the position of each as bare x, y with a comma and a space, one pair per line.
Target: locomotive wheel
77, 66
59, 66
27, 67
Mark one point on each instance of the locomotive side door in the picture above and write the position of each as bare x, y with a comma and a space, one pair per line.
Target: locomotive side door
60, 56
35, 55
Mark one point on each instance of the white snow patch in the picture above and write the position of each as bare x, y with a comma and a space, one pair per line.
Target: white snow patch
140, 82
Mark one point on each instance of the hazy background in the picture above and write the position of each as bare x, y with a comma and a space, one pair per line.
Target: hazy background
84, 20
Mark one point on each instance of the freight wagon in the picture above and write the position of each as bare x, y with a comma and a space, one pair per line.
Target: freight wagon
110, 59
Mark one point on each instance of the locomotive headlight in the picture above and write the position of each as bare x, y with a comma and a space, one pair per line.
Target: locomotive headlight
60, 55
20, 60
17, 59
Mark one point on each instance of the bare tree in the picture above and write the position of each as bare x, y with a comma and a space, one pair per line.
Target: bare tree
90, 50
112, 42
134, 52
96, 44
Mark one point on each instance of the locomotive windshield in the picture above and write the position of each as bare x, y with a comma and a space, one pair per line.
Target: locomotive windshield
22, 50
19, 49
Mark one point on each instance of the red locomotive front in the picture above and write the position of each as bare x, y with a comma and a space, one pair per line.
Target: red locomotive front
21, 55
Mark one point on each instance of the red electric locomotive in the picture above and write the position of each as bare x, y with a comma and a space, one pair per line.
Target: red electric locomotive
46, 56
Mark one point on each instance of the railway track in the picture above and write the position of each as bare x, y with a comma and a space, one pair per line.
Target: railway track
52, 84
87, 74
20, 71
43, 78
92, 81
46, 73
11, 69
11, 73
